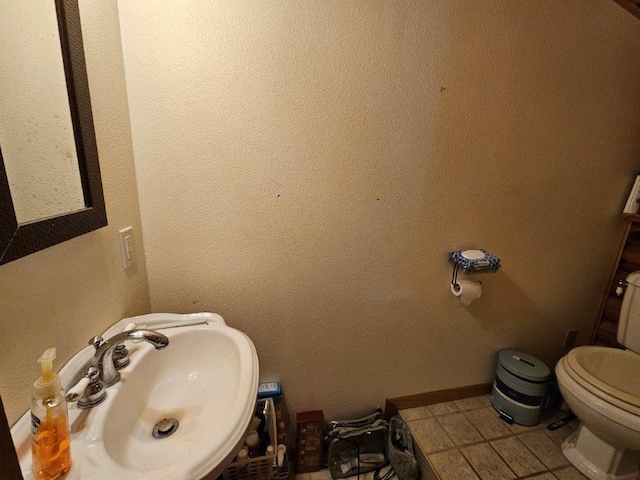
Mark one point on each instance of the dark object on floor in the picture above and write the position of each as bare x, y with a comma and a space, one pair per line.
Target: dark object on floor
400, 450
563, 421
357, 446
310, 435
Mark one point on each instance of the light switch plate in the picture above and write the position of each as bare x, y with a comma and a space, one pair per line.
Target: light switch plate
126, 246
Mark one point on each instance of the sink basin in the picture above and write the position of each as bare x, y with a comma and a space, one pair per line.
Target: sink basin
204, 383
198, 381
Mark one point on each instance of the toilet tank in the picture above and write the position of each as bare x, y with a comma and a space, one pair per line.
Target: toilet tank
629, 322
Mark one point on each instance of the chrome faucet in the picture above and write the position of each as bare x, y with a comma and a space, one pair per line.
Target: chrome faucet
103, 358
103, 367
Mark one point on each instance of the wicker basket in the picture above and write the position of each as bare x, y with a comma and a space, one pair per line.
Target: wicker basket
258, 468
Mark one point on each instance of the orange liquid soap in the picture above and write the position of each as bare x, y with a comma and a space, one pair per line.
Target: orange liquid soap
51, 449
50, 442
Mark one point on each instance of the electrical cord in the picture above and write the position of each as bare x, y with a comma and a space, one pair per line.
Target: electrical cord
387, 476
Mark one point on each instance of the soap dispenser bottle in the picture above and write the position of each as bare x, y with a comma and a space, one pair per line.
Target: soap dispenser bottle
49, 423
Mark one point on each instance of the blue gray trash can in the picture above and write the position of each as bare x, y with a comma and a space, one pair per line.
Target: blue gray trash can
519, 387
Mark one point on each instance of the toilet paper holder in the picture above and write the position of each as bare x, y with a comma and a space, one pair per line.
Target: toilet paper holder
472, 262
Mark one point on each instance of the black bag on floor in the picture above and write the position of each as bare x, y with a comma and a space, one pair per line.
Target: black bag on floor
357, 446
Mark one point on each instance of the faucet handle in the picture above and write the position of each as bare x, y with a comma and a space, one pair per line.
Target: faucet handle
120, 356
95, 391
76, 391
96, 341
93, 374
89, 391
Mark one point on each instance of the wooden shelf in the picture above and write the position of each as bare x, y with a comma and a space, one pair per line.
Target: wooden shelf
627, 260
632, 6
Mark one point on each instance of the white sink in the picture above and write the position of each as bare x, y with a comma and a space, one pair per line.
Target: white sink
206, 379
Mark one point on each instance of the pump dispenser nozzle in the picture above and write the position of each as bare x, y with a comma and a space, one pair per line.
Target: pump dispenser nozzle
49, 383
46, 363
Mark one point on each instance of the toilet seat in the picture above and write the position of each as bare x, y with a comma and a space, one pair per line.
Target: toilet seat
609, 373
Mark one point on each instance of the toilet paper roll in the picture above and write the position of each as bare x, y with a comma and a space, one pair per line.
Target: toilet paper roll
468, 291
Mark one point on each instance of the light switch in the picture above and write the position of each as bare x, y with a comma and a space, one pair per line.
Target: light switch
126, 246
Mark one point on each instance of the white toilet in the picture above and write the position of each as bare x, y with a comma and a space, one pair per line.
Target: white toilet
602, 387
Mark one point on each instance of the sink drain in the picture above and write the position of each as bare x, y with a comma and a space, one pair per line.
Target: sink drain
165, 428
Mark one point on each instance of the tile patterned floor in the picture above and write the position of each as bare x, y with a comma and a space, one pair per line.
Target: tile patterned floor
465, 440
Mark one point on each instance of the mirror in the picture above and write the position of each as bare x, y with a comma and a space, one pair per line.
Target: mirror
50, 186
36, 131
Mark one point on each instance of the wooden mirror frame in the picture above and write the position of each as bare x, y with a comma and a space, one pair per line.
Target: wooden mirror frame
19, 240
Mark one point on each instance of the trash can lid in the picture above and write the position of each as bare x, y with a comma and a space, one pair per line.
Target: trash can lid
524, 365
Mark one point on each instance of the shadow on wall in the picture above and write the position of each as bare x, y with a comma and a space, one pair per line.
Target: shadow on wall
515, 319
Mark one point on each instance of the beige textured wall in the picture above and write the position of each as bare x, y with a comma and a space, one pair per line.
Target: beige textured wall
64, 295
304, 167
